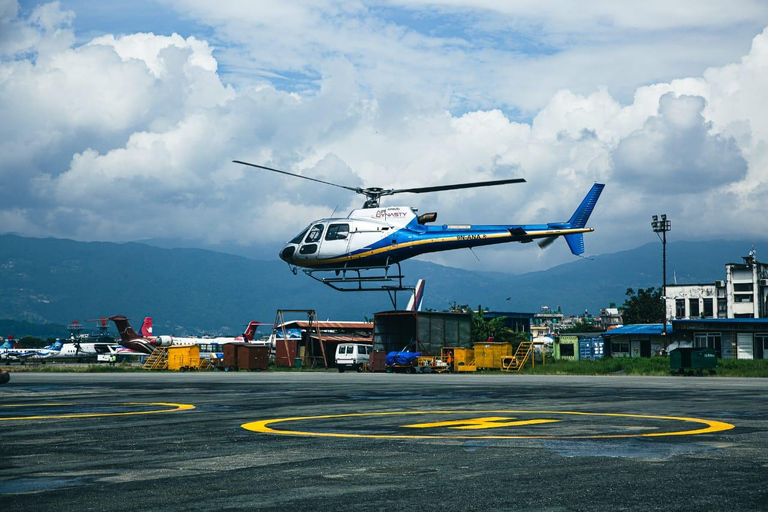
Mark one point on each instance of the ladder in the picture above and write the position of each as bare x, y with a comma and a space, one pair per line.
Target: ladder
516, 362
157, 360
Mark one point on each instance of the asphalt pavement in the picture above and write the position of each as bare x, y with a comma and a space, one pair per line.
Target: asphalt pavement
328, 441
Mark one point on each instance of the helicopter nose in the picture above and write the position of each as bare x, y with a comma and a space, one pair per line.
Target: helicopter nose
287, 253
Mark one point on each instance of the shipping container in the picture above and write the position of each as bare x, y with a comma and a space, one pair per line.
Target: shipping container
245, 356
488, 355
591, 348
183, 357
566, 347
421, 331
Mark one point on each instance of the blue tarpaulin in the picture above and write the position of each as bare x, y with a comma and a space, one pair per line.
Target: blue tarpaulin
402, 358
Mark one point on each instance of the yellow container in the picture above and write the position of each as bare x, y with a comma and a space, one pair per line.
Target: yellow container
463, 358
488, 355
183, 357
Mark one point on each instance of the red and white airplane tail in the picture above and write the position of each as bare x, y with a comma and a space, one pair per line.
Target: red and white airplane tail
417, 298
146, 328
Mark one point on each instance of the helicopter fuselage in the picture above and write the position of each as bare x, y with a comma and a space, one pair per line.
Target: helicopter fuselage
377, 237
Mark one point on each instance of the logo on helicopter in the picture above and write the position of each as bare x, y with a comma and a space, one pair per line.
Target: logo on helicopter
396, 213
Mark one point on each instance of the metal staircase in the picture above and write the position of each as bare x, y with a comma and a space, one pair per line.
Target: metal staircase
157, 360
516, 362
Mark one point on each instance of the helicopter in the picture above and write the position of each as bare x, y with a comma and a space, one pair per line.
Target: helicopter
354, 252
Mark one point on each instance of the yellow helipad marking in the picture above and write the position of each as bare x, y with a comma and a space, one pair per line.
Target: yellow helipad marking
479, 423
709, 426
175, 407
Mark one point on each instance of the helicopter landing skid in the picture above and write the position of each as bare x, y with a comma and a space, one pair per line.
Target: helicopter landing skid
384, 278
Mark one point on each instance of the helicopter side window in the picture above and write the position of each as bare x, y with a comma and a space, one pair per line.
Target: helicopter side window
337, 232
297, 238
315, 233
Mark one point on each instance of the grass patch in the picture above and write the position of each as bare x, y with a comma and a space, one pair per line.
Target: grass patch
644, 366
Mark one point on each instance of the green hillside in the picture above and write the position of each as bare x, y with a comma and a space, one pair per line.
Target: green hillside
193, 291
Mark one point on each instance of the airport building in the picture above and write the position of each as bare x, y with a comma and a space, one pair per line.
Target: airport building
743, 294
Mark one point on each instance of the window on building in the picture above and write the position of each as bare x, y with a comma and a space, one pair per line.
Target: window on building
742, 287
722, 307
709, 308
742, 297
761, 342
620, 348
706, 340
566, 350
679, 308
693, 308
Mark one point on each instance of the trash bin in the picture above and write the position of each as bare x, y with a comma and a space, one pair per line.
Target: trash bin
687, 361
297, 362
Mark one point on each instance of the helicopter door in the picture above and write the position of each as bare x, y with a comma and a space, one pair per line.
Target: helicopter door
336, 242
309, 249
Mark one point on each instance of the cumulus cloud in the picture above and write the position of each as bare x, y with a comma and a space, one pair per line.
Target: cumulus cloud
674, 153
132, 136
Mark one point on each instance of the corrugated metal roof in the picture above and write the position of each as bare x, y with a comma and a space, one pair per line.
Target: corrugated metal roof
303, 324
344, 339
646, 329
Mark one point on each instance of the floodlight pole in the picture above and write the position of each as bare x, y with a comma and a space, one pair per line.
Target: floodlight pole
662, 226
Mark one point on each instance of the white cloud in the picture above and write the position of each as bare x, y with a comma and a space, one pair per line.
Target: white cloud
674, 153
132, 137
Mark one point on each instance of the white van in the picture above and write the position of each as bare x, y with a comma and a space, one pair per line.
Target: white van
352, 356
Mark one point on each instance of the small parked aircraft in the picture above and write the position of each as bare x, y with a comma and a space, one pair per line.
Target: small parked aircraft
146, 343
9, 354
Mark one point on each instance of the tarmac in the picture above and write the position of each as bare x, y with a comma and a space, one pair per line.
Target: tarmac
328, 441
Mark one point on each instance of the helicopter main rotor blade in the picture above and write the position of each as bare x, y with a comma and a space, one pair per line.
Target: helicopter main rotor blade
297, 175
458, 186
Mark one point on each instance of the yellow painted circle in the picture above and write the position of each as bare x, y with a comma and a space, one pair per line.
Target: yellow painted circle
705, 426
173, 408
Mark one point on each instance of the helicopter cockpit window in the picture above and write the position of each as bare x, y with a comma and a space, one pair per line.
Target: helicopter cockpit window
337, 232
297, 239
314, 234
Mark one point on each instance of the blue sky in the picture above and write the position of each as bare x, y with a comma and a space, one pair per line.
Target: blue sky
119, 102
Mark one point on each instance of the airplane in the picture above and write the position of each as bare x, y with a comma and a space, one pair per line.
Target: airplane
146, 327
9, 353
414, 304
147, 344
374, 238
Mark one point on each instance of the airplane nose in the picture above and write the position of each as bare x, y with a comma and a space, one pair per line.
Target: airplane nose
287, 253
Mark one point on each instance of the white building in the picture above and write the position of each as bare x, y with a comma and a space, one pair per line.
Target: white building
743, 294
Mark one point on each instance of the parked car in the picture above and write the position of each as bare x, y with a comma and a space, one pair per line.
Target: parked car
353, 356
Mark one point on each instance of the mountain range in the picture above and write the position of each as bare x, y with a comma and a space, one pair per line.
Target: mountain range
195, 291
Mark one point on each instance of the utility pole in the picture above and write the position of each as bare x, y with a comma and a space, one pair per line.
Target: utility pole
662, 226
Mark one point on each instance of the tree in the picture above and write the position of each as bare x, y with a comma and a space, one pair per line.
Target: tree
483, 329
643, 306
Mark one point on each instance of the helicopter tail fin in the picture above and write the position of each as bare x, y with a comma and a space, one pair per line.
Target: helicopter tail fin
581, 215
575, 243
